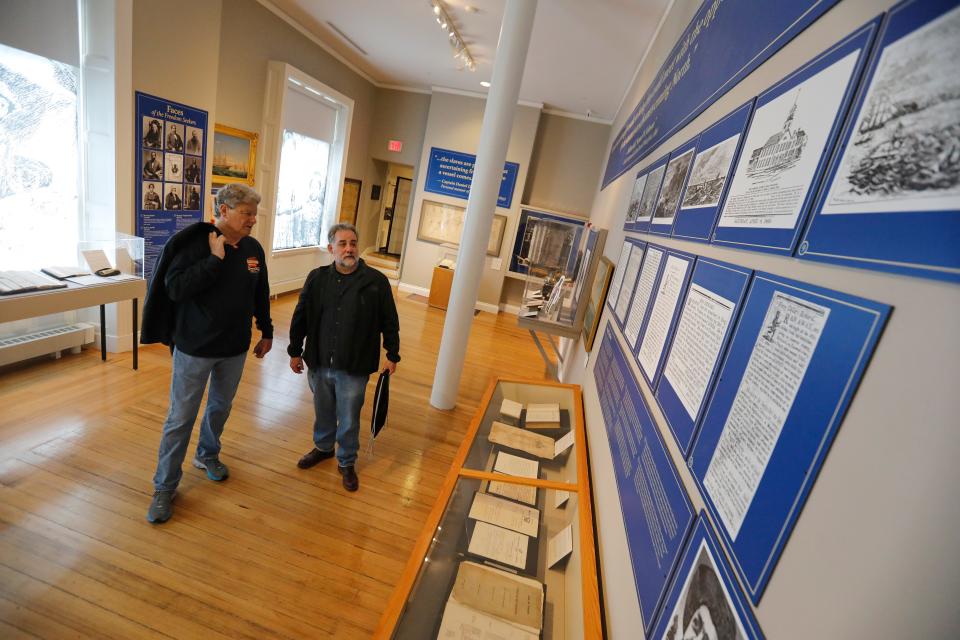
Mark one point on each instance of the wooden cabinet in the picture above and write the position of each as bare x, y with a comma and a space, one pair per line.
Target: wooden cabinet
560, 493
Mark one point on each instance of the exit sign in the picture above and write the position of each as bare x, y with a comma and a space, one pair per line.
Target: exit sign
395, 145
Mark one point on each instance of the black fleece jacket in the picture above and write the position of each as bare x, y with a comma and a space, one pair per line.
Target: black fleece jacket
204, 304
367, 311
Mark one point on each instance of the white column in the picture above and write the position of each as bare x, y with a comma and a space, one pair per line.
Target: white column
491, 154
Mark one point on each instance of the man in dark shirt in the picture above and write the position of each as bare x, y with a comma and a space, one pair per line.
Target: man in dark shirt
152, 169
216, 282
174, 141
343, 310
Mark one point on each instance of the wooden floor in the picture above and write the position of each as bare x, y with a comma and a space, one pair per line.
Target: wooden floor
274, 551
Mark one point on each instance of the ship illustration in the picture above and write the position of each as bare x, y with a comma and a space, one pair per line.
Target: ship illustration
781, 150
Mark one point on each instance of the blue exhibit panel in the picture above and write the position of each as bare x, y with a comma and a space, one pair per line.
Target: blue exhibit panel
703, 587
621, 312
792, 132
674, 181
656, 511
723, 43
662, 313
708, 316
717, 152
892, 200
158, 219
616, 281
651, 190
450, 173
795, 361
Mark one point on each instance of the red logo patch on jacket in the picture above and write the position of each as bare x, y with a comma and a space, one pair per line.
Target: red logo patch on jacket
253, 265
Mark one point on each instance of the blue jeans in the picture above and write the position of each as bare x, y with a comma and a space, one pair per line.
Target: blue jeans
189, 379
337, 399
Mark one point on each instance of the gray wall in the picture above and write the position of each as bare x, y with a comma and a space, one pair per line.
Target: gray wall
565, 168
873, 554
454, 123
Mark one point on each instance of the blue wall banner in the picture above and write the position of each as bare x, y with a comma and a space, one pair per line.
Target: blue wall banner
656, 511
725, 41
450, 173
171, 171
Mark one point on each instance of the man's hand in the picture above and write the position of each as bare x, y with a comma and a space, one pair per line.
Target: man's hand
389, 366
296, 364
263, 347
216, 248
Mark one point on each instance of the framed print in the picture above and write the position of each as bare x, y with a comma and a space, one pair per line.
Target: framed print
234, 154
443, 224
891, 200
598, 293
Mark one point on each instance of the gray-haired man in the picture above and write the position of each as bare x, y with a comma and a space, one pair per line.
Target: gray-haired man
209, 283
343, 310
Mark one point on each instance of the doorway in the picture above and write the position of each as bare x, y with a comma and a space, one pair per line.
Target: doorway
395, 215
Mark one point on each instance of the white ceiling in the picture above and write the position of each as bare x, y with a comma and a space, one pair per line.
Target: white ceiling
582, 57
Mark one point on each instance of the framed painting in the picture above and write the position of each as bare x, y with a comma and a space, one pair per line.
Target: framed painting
598, 293
443, 224
234, 155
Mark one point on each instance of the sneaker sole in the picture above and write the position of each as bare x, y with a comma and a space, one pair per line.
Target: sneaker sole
200, 465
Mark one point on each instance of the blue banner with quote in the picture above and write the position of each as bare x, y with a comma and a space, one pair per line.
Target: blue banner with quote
725, 41
450, 173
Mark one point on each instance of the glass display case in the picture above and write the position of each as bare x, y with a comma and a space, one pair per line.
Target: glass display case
508, 549
553, 297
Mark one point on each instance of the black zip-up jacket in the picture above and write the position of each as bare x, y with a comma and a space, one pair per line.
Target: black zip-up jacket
203, 304
367, 311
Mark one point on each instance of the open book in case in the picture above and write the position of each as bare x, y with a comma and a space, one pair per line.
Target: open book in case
508, 549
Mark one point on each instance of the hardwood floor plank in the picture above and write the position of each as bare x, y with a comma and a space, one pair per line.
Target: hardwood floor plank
274, 551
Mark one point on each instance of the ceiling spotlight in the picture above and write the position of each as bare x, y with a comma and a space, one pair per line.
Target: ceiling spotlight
484, 83
460, 50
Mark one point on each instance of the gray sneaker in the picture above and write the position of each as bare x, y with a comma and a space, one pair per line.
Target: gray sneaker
216, 470
161, 507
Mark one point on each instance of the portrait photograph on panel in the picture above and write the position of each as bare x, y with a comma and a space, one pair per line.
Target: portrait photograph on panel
192, 170
191, 197
173, 167
194, 144
151, 195
650, 190
903, 153
710, 170
174, 138
152, 132
704, 609
172, 197
153, 165
673, 181
634, 207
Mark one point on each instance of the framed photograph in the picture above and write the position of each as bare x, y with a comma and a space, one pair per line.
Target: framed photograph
443, 224
350, 200
234, 155
598, 293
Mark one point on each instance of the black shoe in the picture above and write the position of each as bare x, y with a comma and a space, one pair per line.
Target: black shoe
350, 480
313, 457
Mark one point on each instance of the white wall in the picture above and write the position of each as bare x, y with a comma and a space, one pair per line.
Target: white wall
873, 553
454, 123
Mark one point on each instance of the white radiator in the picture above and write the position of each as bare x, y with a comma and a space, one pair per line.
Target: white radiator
38, 343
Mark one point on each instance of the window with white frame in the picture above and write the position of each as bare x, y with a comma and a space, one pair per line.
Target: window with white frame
312, 150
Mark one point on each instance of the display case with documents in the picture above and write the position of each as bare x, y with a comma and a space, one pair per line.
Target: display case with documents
508, 550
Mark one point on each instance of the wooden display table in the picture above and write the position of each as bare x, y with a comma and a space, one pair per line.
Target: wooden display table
440, 287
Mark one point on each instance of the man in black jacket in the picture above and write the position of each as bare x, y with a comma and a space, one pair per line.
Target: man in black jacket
343, 310
209, 283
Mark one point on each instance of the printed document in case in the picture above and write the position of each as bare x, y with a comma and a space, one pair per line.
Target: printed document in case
533, 443
506, 514
499, 544
490, 604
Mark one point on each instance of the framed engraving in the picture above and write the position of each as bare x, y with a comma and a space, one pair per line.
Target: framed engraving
442, 223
